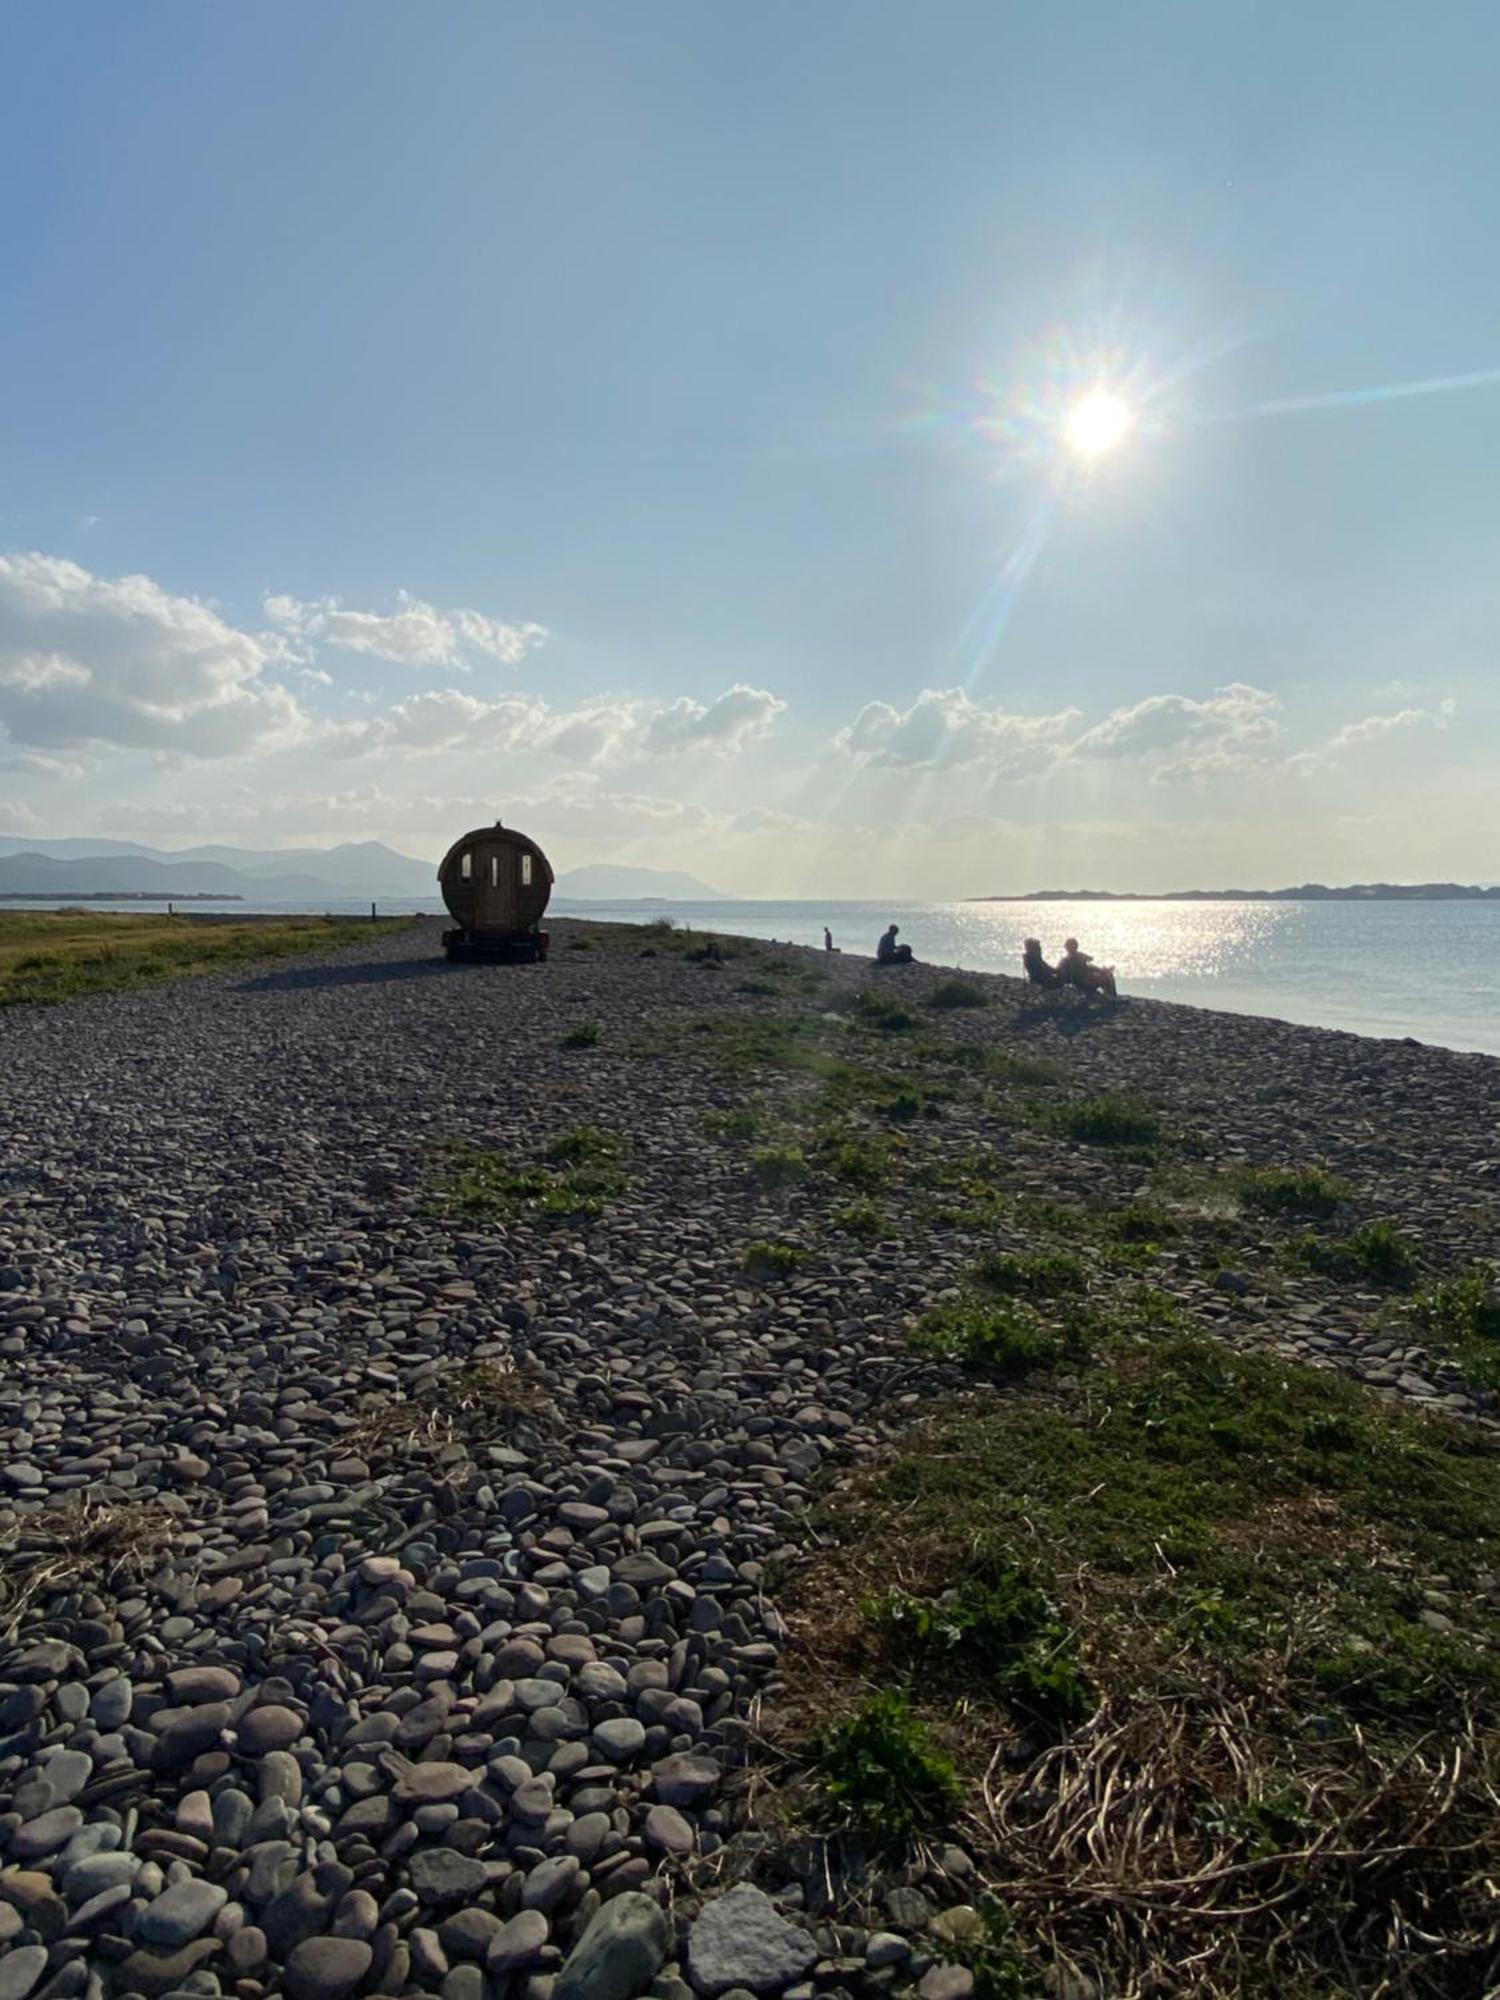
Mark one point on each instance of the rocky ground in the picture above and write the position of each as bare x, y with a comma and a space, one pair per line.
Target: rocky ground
384, 1584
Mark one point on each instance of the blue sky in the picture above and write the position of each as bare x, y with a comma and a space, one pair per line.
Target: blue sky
643, 423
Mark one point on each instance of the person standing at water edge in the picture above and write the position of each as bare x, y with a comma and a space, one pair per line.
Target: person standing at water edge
827, 938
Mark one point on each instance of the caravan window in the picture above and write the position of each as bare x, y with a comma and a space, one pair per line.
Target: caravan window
466, 864
525, 871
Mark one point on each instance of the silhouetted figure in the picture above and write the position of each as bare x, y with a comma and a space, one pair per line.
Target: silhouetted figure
827, 938
888, 952
1076, 968
1038, 971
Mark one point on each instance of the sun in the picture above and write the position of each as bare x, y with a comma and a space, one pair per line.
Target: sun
1096, 423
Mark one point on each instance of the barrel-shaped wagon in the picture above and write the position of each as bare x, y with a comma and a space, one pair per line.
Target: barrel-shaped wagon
496, 883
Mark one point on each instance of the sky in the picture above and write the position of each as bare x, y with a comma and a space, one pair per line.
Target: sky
651, 426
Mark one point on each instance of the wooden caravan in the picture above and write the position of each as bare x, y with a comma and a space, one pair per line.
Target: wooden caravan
496, 884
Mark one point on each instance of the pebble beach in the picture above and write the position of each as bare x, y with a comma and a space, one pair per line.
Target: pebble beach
388, 1596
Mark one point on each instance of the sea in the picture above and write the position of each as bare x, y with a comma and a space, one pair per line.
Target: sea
1428, 970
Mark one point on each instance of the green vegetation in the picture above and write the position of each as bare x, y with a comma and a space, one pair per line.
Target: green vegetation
742, 1123
954, 993
48, 956
857, 1159
777, 1167
584, 1036
886, 1016
582, 1171
1113, 1118
1461, 1316
881, 1774
1302, 1191
1376, 1253
1036, 1274
1227, 1618
773, 1260
1003, 1342
859, 1218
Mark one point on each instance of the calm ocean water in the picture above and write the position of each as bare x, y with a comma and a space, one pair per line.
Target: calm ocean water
1431, 970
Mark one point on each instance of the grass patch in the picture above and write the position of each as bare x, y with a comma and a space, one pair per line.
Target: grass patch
1035, 1274
858, 1159
881, 1774
957, 993
765, 1261
1302, 1191
581, 1172
50, 956
860, 1218
82, 1545
1169, 1619
1113, 1118
884, 1015
778, 1167
1376, 1253
459, 1406
584, 1036
741, 1123
1461, 1316
1002, 1341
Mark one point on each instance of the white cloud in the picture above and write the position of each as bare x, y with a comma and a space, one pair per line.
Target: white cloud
737, 717
89, 659
17, 817
415, 634
1229, 730
944, 727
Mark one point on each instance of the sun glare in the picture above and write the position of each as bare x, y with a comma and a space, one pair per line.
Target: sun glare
1096, 423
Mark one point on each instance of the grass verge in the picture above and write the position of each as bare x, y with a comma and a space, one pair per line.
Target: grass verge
50, 956
1211, 1645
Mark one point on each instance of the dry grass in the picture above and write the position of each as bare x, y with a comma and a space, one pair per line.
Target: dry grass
83, 1545
480, 1400
1284, 1782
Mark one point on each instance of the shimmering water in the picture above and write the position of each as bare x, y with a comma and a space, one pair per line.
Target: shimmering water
1431, 970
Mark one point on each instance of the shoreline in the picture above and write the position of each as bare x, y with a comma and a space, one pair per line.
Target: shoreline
465, 1348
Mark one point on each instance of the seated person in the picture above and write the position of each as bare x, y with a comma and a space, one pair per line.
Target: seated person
888, 952
1038, 971
1076, 968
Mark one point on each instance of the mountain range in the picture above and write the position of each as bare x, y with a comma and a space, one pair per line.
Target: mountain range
356, 869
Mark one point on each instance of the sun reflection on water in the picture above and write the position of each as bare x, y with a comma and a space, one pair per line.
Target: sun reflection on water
1143, 941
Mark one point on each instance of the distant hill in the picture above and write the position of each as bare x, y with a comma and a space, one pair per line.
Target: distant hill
607, 881
276, 875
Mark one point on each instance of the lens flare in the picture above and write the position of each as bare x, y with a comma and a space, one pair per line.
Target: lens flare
1096, 423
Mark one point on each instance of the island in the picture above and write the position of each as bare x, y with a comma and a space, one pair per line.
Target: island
1307, 892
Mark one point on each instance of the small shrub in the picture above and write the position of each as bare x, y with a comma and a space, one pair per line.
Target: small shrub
986, 1618
1376, 1253
902, 1108
857, 1160
954, 993
584, 1036
773, 1260
586, 1145
1311, 1191
758, 986
1462, 1316
739, 1124
1048, 1690
997, 1340
888, 1017
1138, 1222
1113, 1118
880, 1770
1042, 1274
778, 1167
860, 1218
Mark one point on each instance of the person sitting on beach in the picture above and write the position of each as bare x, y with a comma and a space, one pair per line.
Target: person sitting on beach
888, 952
1076, 968
1038, 971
